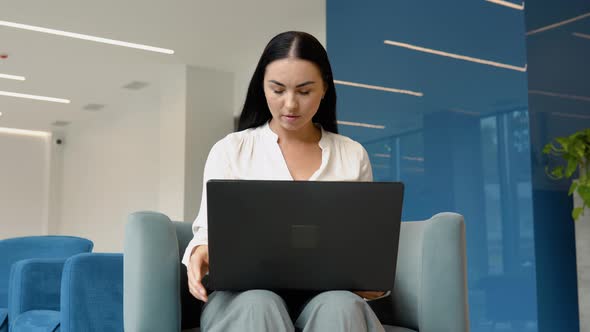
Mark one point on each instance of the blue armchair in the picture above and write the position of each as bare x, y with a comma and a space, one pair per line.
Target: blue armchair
92, 293
430, 292
16, 249
81, 293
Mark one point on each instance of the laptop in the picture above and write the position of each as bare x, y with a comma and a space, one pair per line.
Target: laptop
303, 235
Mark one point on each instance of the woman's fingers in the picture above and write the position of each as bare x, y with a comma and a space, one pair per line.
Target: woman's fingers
370, 295
196, 270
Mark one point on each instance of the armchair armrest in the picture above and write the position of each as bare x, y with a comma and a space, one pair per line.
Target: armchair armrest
443, 291
92, 293
151, 274
34, 284
430, 290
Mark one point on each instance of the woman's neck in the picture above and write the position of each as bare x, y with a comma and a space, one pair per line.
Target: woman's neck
308, 134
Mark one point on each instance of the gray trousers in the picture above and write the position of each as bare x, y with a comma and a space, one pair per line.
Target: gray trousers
262, 310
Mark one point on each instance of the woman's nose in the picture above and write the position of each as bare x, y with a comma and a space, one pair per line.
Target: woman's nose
291, 101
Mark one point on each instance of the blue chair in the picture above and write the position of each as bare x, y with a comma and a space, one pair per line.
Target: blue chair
16, 249
92, 293
429, 295
81, 293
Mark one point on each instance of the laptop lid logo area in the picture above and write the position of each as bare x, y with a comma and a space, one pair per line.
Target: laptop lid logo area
305, 236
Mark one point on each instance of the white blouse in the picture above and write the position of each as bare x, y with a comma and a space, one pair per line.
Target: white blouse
254, 154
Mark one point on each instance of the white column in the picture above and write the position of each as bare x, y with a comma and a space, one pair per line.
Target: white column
196, 107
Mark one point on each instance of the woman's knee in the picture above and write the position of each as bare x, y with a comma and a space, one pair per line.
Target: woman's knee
255, 310
344, 301
338, 298
258, 297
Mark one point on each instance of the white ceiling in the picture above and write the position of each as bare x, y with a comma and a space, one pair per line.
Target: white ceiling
223, 34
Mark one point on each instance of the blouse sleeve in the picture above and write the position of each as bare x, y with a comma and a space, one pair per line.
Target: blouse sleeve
216, 167
366, 172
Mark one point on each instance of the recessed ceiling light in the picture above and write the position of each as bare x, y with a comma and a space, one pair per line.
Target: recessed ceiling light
93, 107
60, 123
86, 37
12, 77
27, 96
135, 85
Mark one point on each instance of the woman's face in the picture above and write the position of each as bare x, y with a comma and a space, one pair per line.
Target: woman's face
294, 89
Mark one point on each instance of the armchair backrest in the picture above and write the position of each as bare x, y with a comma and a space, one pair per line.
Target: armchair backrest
16, 249
91, 293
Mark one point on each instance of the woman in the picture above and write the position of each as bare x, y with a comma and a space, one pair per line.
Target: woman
287, 131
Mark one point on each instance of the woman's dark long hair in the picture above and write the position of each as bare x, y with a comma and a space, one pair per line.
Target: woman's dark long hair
300, 45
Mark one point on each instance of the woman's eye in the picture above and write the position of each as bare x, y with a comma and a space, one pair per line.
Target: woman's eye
278, 92
304, 92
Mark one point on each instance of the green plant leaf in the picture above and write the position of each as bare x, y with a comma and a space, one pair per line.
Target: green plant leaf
580, 149
572, 165
547, 148
557, 172
572, 188
564, 142
576, 213
584, 192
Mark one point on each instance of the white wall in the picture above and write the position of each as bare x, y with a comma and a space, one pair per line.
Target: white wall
114, 163
195, 112
173, 105
147, 155
110, 169
24, 179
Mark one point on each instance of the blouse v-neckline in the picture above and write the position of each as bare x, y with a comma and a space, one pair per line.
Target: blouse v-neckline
279, 153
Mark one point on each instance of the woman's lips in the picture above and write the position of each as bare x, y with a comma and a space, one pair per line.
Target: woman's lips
291, 117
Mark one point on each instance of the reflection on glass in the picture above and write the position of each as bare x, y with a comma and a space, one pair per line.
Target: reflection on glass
464, 146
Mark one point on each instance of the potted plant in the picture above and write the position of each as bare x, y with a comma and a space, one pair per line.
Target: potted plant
575, 150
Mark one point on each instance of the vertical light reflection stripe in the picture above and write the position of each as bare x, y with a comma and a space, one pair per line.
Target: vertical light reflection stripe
558, 24
381, 88
455, 56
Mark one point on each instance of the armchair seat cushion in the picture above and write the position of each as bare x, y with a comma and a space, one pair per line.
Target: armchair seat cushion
36, 321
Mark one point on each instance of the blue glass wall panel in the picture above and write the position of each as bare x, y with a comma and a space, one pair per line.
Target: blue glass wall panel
559, 104
460, 139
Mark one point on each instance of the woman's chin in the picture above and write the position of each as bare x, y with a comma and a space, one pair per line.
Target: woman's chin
292, 125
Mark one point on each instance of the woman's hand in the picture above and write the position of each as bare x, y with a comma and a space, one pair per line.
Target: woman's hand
369, 295
198, 266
